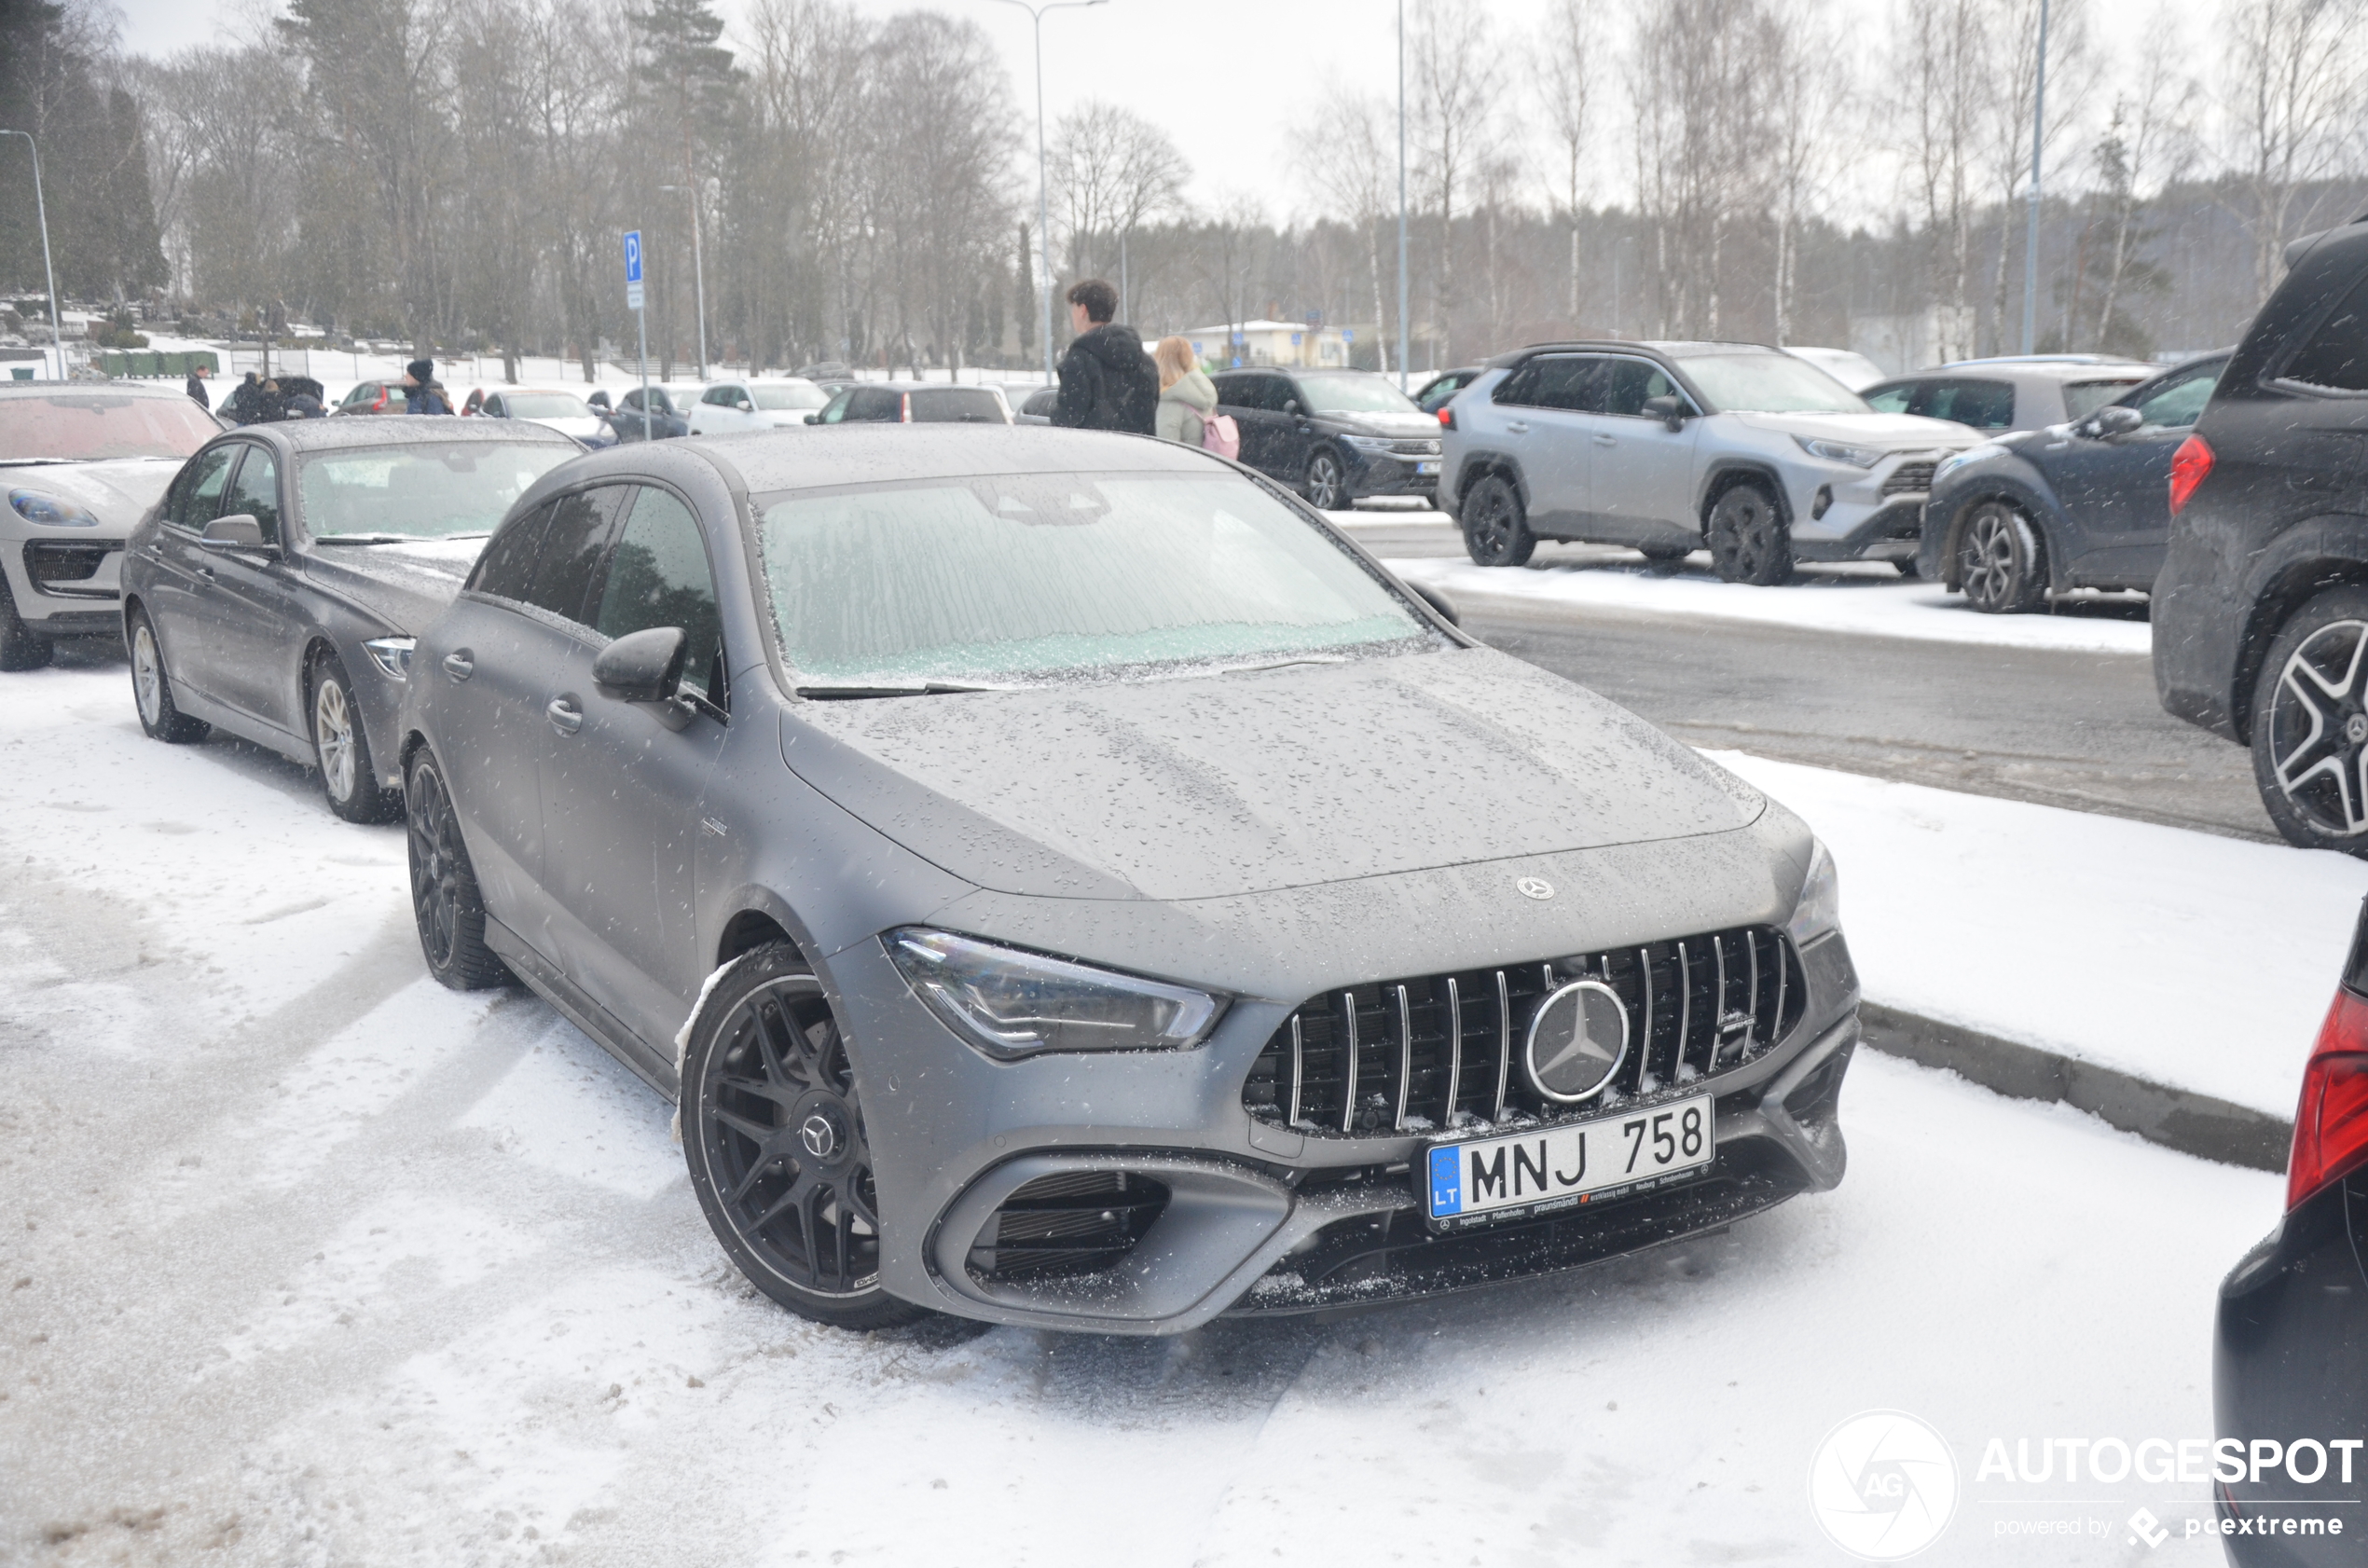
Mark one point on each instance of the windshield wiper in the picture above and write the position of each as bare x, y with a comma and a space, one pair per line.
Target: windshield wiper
1286, 663
915, 689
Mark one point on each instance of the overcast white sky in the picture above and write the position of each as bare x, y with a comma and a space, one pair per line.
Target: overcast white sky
1228, 78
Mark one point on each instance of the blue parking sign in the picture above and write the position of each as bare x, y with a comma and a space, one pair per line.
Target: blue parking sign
633, 256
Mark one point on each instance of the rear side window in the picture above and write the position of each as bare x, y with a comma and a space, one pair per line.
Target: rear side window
2181, 402
873, 403
1890, 400
2083, 398
506, 570
1566, 382
2335, 359
658, 576
965, 405
1983, 405
567, 558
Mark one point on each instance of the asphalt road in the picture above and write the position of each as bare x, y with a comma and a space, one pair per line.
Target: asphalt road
2076, 730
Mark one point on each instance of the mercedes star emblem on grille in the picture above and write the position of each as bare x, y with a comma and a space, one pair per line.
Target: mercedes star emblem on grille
1534, 887
1577, 1038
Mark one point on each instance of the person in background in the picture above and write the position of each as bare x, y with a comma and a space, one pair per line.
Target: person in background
246, 399
195, 388
302, 405
1105, 381
1186, 393
422, 394
271, 405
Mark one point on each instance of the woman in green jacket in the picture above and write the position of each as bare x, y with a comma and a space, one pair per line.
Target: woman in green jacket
1186, 393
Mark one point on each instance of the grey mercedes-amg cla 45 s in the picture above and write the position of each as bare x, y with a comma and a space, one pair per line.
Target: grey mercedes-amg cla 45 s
1063, 882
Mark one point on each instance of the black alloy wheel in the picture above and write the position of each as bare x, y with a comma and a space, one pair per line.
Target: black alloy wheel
21, 647
341, 750
773, 1133
2001, 561
1495, 533
152, 688
445, 903
2310, 724
1749, 541
1327, 485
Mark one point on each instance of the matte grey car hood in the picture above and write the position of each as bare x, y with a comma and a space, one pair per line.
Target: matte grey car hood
1233, 784
119, 490
406, 585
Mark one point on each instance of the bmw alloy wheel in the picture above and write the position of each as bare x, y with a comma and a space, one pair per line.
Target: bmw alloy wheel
333, 737
147, 675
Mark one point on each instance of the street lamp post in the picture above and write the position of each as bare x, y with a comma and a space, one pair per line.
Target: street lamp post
698, 273
1043, 197
2031, 238
1402, 339
57, 334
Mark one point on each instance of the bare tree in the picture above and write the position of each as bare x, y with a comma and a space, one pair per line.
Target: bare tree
1565, 59
1454, 99
2292, 96
1811, 94
2146, 131
1113, 171
1938, 60
1347, 156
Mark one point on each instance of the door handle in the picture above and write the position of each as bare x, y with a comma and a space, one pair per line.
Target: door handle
205, 572
458, 666
1607, 440
1518, 428
564, 715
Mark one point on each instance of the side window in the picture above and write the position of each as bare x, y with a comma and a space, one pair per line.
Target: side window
631, 400
1516, 390
835, 410
658, 576
2337, 356
2181, 402
1889, 400
721, 397
875, 403
1983, 405
506, 570
256, 490
198, 498
1230, 389
1629, 384
568, 556
1564, 381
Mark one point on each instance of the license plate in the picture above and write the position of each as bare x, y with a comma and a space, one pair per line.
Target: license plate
1552, 1168
1426, 468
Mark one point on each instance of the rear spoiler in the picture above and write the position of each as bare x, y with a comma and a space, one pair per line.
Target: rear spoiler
2294, 249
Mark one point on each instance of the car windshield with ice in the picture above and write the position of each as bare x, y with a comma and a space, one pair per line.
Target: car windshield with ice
420, 492
98, 426
1353, 393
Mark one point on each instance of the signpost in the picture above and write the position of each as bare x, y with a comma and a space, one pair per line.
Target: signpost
641, 318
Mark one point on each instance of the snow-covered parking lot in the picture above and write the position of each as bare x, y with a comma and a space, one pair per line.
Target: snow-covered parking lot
310, 1261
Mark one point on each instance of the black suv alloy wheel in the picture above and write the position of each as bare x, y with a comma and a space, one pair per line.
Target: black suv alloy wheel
2310, 724
1495, 534
1327, 485
1748, 540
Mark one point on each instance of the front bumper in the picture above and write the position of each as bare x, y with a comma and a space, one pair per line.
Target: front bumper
1845, 514
1384, 474
65, 584
1257, 1220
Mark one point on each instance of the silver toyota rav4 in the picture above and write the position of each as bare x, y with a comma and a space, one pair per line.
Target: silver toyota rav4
1064, 882
1672, 447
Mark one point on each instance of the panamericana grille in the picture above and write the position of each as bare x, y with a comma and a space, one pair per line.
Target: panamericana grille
1409, 1055
65, 560
1078, 1222
1910, 478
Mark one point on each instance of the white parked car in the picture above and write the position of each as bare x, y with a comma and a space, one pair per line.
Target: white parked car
79, 464
727, 408
562, 411
1855, 371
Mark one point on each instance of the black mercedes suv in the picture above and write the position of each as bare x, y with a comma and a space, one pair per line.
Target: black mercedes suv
2261, 612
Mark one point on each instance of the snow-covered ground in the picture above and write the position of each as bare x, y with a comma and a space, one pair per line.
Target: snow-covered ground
1867, 599
310, 1261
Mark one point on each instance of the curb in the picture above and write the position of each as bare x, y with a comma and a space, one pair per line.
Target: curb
2178, 1119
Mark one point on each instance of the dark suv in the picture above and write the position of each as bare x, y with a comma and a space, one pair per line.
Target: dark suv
1337, 434
2261, 612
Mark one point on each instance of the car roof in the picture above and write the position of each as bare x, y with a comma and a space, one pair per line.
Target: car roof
857, 454
1671, 349
101, 388
2041, 361
2131, 371
408, 430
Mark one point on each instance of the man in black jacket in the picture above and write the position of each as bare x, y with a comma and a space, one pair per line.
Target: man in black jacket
1106, 381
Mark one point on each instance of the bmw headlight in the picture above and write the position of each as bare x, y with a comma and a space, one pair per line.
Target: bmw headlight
51, 511
1971, 454
1819, 912
1841, 451
1011, 1004
391, 655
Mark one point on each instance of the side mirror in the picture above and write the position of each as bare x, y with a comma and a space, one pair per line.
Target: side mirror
744, 406
1670, 411
814, 419
1438, 601
642, 666
2114, 419
238, 532
1290, 406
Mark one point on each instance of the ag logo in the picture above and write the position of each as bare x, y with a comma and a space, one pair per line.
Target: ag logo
1883, 1486
1534, 887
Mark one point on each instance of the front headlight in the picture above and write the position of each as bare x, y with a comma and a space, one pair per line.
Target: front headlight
1841, 451
1971, 454
1011, 1004
51, 511
391, 655
1820, 908
1371, 442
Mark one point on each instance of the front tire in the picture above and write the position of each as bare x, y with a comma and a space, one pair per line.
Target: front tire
20, 646
445, 903
152, 688
2310, 724
1496, 531
341, 749
1749, 541
773, 1133
2001, 561
1327, 485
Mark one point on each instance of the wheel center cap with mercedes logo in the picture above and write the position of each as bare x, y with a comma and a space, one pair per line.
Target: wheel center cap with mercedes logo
819, 1134
1577, 1039
1534, 887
